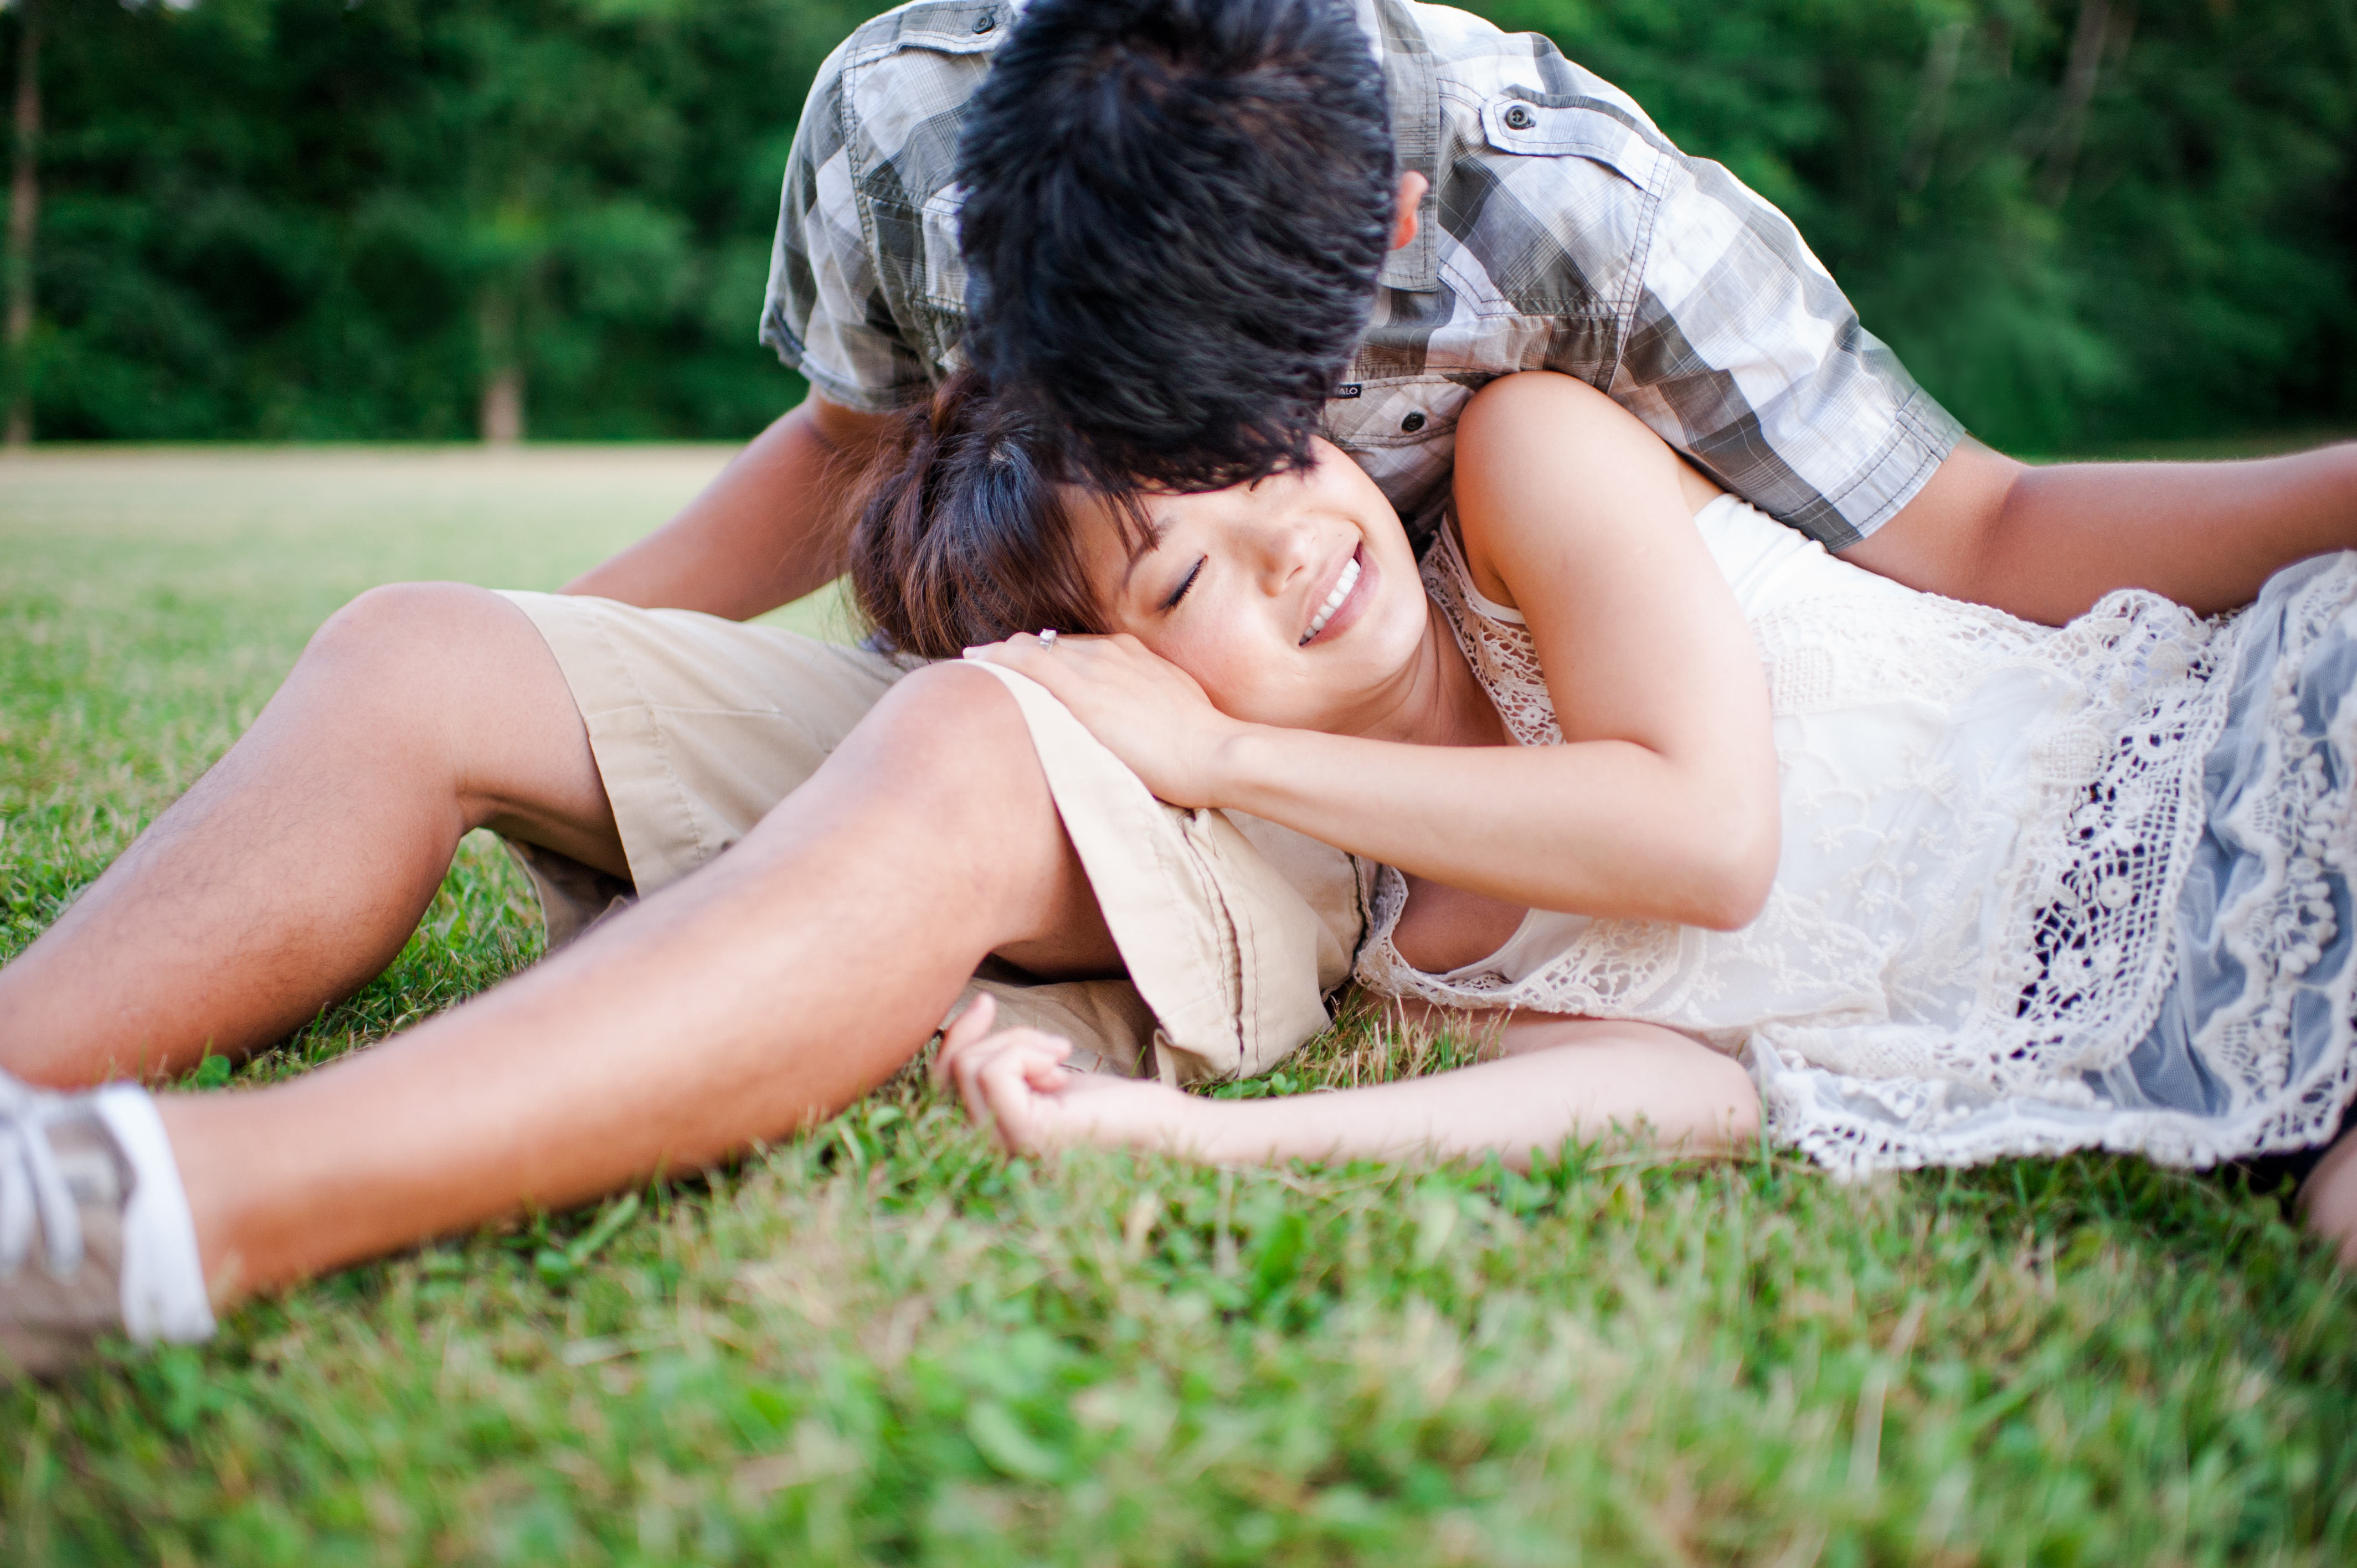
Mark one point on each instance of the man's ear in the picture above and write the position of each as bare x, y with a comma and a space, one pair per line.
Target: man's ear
1412, 187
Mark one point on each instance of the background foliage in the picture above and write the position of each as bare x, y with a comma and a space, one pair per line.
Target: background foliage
2079, 220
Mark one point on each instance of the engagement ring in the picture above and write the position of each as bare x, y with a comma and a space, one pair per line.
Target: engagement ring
1047, 640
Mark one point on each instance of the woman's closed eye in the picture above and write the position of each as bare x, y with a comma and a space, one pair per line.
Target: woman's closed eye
1172, 602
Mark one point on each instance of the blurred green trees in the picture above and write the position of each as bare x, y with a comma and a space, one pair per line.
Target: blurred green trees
310, 218
2077, 220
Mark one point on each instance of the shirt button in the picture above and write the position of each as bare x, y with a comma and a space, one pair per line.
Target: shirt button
1412, 423
985, 22
1520, 119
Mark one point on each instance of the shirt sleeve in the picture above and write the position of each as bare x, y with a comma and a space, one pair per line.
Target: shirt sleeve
826, 314
1743, 353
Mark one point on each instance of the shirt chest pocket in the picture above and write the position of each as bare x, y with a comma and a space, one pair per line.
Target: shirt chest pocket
1561, 230
1402, 429
1550, 125
1395, 412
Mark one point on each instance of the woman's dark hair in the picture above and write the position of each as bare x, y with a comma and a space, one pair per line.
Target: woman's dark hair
1176, 212
965, 534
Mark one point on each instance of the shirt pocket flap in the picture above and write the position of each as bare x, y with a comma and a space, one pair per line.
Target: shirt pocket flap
954, 27
1578, 127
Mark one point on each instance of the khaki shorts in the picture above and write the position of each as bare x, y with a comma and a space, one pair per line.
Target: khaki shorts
1233, 930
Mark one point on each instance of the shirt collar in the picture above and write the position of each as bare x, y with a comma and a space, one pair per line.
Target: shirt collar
1414, 91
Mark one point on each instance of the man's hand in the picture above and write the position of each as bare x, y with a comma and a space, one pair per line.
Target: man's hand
768, 528
1147, 711
2045, 543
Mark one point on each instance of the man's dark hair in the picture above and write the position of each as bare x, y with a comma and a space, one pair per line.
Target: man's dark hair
1174, 213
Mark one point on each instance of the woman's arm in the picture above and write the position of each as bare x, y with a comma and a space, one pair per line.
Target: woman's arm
1606, 827
1662, 804
1565, 1078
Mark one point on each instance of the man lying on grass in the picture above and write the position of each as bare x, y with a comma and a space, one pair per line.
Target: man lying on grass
1194, 233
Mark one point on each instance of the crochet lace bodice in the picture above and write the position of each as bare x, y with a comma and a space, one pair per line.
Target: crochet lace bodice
1987, 824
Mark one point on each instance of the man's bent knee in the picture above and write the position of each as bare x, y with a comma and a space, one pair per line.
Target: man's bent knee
460, 683
953, 732
445, 658
959, 738
944, 765
404, 623
941, 774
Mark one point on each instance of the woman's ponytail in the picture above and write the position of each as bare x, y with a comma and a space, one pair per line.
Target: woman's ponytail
964, 535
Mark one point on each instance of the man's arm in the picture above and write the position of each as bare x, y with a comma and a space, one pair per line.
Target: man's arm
2045, 543
766, 530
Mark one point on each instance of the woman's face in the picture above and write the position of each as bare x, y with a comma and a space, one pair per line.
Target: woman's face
1293, 601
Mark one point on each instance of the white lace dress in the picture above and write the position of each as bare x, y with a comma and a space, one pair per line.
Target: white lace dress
2041, 888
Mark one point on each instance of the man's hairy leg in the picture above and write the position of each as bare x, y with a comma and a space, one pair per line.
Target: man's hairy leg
770, 988
296, 869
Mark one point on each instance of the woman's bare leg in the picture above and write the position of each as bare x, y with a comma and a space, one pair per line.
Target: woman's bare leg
295, 870
771, 987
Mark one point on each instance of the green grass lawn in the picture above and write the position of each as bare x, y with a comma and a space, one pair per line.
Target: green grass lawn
884, 1342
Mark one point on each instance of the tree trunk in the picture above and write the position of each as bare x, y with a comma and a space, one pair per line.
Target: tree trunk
503, 408
1931, 105
2078, 90
24, 215
501, 417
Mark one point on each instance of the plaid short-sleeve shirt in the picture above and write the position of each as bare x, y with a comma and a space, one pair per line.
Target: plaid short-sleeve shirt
1562, 231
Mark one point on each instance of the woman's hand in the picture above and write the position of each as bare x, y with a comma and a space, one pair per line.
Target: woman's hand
1015, 1082
1560, 1078
1146, 710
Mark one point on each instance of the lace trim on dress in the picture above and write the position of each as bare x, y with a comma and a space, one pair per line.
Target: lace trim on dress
1505, 658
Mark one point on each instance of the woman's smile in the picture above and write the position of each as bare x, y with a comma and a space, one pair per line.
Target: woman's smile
1344, 604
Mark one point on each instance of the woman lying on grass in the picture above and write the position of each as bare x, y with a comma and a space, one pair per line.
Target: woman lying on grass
1952, 886
1947, 884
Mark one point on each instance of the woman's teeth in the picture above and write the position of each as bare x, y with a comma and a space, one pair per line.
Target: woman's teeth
1342, 586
